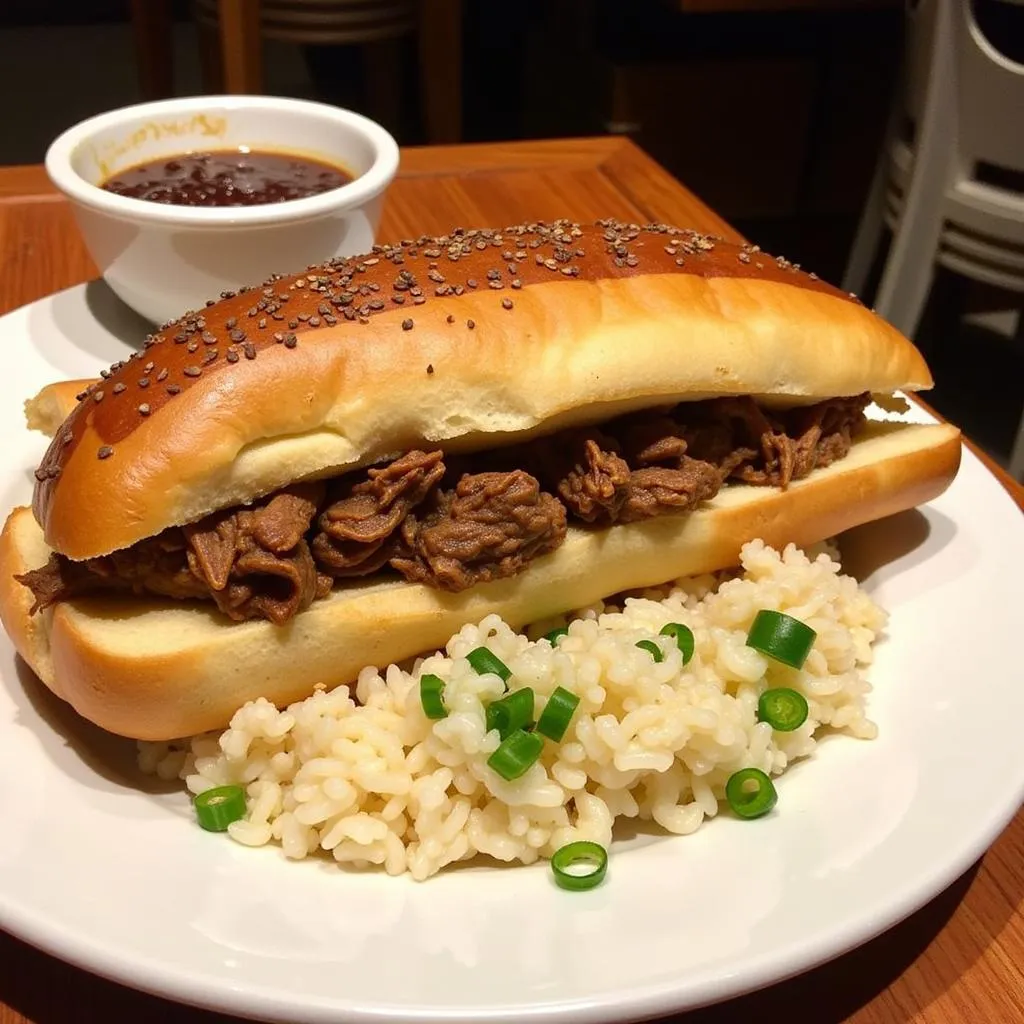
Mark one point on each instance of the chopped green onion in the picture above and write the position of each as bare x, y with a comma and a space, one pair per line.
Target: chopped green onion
781, 637
783, 709
580, 854
552, 637
483, 662
518, 751
216, 808
750, 793
432, 696
510, 713
557, 714
683, 637
652, 649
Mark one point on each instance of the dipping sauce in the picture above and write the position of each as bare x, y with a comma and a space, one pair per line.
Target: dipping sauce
227, 178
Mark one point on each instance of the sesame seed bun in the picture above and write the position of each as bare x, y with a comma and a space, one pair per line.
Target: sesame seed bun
463, 342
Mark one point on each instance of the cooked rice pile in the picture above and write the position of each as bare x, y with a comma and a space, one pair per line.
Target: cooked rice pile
365, 775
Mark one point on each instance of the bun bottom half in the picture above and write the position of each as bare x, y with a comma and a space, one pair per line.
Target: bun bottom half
158, 669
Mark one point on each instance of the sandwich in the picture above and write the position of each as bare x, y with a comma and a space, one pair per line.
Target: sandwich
342, 467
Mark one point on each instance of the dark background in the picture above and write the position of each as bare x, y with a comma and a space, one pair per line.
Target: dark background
774, 118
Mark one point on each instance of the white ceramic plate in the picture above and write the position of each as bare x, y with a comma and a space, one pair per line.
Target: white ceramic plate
107, 870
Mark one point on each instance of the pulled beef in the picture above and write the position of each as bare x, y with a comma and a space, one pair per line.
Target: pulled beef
593, 472
48, 584
454, 522
652, 440
252, 562
597, 485
712, 439
776, 464
772, 459
157, 565
255, 561
665, 479
772, 449
358, 530
585, 470
271, 586
823, 432
730, 433
656, 491
61, 580
490, 526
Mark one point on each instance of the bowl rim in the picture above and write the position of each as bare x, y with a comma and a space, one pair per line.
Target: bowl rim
352, 195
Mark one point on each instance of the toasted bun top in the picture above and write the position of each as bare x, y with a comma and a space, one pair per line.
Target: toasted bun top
463, 341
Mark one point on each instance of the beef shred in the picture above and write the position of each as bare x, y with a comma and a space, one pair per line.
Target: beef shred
759, 447
655, 490
584, 469
652, 440
256, 562
490, 526
358, 529
252, 562
61, 580
452, 523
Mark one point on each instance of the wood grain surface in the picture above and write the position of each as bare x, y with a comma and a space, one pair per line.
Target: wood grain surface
959, 959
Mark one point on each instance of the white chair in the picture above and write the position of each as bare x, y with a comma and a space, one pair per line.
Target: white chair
947, 192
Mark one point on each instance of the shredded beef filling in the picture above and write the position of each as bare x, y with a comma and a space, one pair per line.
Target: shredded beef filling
479, 518
583, 468
358, 528
489, 527
256, 562
656, 490
252, 562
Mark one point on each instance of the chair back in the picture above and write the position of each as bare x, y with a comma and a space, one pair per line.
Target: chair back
326, 22
991, 100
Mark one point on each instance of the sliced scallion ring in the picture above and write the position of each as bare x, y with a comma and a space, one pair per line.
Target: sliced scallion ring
783, 709
750, 793
483, 661
514, 711
218, 807
567, 862
557, 714
683, 637
781, 637
652, 649
518, 751
432, 696
553, 637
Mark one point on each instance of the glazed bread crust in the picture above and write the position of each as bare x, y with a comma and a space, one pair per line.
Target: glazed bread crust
47, 410
153, 669
463, 342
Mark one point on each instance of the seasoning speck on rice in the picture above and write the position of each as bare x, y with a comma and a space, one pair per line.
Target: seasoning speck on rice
362, 773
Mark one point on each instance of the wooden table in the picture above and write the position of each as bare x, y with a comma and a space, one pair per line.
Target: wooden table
960, 959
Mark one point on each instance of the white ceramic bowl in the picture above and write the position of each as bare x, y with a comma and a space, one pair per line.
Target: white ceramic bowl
163, 260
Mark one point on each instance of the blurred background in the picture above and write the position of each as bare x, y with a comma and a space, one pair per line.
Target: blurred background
774, 112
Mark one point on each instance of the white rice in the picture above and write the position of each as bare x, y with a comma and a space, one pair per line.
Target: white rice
362, 773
